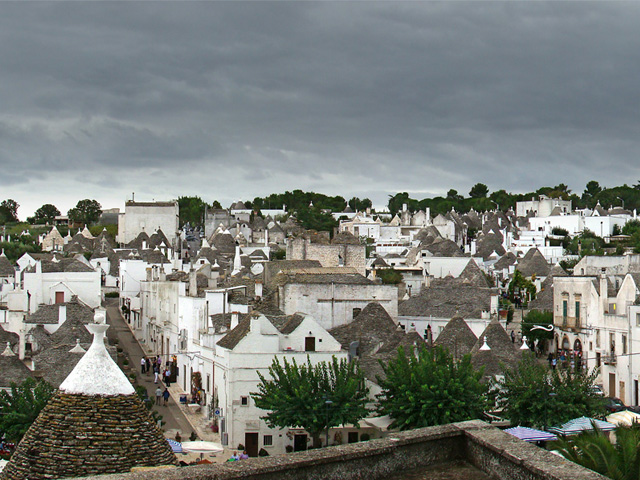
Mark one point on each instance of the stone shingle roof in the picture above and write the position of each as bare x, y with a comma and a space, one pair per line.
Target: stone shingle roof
70, 331
457, 337
49, 314
231, 339
6, 269
55, 363
323, 278
11, 368
290, 324
505, 261
12, 338
224, 243
489, 361
473, 275
153, 256
137, 242
544, 298
345, 238
83, 435
379, 339
448, 299
62, 265
489, 243
444, 247
500, 343
534, 263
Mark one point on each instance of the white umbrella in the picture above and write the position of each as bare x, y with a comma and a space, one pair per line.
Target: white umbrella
624, 417
202, 447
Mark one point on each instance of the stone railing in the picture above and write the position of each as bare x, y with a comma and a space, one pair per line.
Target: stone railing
490, 450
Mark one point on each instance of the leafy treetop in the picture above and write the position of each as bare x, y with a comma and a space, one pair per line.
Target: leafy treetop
299, 395
429, 387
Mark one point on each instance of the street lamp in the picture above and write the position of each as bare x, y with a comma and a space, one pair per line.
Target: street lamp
327, 404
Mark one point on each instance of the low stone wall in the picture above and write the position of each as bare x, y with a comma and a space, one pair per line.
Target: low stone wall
487, 448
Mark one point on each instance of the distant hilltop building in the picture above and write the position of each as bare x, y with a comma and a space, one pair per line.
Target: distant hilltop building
543, 207
148, 217
95, 424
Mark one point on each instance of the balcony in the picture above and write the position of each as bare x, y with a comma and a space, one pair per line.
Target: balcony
610, 358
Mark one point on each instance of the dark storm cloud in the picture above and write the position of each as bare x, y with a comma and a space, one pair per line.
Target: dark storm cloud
233, 100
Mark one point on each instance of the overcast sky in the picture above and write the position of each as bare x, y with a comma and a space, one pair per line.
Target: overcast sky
233, 100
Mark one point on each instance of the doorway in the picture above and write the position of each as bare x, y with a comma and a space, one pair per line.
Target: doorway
352, 437
299, 443
251, 444
612, 385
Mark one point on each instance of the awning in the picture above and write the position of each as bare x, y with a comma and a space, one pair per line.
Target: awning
175, 446
531, 434
381, 423
624, 417
582, 424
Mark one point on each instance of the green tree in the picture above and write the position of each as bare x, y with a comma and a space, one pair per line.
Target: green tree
596, 451
314, 397
429, 387
453, 195
315, 219
20, 406
45, 214
191, 210
536, 318
519, 286
479, 190
8, 211
631, 227
389, 276
532, 395
85, 212
358, 205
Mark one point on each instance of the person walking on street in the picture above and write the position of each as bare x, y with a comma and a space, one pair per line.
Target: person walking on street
165, 395
143, 365
158, 395
167, 379
155, 373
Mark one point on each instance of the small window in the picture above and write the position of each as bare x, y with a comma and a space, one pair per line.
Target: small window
267, 440
356, 312
624, 344
638, 319
59, 297
244, 401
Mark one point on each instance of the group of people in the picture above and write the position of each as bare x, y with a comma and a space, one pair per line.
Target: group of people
235, 457
164, 375
566, 358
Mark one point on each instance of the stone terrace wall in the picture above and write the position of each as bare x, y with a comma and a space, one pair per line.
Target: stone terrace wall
489, 449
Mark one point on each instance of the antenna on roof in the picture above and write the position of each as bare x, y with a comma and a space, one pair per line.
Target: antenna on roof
133, 196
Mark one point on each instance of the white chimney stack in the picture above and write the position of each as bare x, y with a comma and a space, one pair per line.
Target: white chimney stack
234, 319
62, 314
258, 289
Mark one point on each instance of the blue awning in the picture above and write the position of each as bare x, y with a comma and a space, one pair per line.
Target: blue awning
582, 424
531, 434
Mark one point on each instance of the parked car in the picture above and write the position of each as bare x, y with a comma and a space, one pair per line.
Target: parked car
613, 405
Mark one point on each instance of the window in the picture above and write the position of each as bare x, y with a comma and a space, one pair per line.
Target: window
612, 342
638, 319
597, 338
624, 344
267, 440
244, 401
577, 314
598, 359
564, 311
356, 312
59, 297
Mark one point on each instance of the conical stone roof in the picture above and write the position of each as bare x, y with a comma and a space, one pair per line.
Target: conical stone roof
95, 424
457, 337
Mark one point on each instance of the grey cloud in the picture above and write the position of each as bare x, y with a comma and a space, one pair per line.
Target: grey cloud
244, 99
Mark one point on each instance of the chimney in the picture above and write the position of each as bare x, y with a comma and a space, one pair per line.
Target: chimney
62, 314
235, 316
258, 289
266, 237
162, 275
193, 283
404, 207
604, 293
149, 274
368, 210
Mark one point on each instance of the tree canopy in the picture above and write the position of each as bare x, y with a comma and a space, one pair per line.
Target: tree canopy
430, 387
479, 190
85, 212
536, 318
21, 405
45, 214
298, 395
532, 395
192, 211
8, 211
